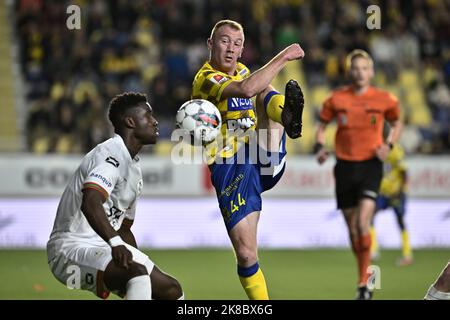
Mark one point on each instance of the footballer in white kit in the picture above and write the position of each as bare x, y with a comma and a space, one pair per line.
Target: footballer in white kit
81, 243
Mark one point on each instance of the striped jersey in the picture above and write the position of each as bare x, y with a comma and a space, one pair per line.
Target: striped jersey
238, 114
395, 172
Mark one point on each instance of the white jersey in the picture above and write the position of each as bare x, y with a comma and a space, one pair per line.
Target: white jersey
109, 169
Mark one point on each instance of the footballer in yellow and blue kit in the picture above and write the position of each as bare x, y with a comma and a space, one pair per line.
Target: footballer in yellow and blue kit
393, 195
240, 169
393, 184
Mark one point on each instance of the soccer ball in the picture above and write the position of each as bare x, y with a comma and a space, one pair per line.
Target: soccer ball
201, 119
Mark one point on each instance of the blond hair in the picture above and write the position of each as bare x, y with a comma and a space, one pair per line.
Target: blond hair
231, 23
357, 53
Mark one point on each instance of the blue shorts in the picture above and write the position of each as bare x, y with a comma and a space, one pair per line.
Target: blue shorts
239, 181
397, 203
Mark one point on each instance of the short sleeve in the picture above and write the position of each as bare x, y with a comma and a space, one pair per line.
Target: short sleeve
213, 85
392, 113
328, 112
103, 176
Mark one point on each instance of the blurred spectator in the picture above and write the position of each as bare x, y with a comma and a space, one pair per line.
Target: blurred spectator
439, 98
385, 52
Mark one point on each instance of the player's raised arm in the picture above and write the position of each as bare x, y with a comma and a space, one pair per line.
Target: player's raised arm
261, 79
92, 208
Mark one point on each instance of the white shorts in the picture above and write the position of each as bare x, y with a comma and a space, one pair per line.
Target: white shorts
81, 265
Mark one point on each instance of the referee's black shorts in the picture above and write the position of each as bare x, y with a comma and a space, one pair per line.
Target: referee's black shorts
356, 180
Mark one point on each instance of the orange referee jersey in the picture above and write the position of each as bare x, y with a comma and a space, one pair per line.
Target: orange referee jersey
360, 120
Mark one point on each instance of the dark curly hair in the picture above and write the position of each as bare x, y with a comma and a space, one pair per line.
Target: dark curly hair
122, 102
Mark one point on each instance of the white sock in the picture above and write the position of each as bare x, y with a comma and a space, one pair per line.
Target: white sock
139, 288
434, 294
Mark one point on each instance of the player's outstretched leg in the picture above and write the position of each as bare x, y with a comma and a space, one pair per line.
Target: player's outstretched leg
291, 115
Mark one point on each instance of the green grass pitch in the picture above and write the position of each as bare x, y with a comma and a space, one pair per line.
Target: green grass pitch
211, 274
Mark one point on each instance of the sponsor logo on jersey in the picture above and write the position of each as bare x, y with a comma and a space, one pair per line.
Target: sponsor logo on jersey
105, 181
237, 104
114, 215
242, 123
218, 78
112, 161
99, 253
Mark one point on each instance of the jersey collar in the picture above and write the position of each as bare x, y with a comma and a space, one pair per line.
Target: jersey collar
124, 148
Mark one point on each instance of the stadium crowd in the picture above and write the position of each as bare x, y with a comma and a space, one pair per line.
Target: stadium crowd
157, 46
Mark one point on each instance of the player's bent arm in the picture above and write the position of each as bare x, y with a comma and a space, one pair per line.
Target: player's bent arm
383, 150
92, 208
264, 92
320, 133
261, 79
396, 130
319, 150
126, 234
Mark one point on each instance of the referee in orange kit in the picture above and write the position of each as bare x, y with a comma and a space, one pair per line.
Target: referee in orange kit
360, 111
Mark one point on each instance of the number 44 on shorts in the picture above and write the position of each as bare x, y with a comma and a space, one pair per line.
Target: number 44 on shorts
235, 207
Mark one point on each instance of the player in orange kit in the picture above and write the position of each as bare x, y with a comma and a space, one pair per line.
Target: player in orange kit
360, 111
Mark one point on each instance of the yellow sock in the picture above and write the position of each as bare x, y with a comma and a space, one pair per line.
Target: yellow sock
255, 286
373, 236
406, 246
274, 103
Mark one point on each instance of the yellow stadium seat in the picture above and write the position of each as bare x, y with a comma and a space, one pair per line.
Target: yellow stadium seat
41, 145
380, 79
306, 142
330, 134
163, 148
414, 96
318, 95
291, 146
420, 116
67, 144
63, 144
395, 90
409, 78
